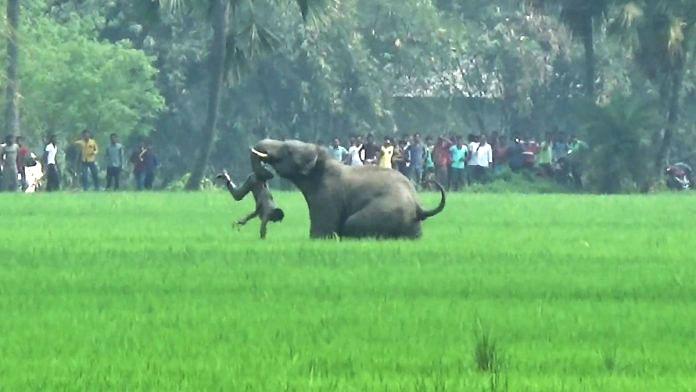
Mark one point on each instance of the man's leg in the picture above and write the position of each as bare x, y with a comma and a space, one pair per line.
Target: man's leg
95, 175
239, 192
484, 174
139, 180
85, 176
109, 177
452, 178
419, 177
23, 179
56, 177
51, 178
149, 180
117, 178
576, 172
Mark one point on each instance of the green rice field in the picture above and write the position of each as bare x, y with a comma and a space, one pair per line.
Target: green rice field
160, 292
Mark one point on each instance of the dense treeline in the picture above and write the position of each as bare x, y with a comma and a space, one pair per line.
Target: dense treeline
316, 69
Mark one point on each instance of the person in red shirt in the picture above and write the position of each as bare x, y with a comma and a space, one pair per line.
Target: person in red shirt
442, 159
531, 149
22, 156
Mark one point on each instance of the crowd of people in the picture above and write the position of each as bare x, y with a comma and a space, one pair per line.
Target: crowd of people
22, 170
452, 160
456, 162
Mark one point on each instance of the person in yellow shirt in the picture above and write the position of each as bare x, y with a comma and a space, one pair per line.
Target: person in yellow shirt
89, 150
387, 152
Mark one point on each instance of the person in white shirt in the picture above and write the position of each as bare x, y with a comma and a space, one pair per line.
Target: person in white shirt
483, 159
471, 161
49, 158
33, 175
354, 158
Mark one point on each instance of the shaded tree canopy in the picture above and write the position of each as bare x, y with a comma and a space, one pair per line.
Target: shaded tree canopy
318, 69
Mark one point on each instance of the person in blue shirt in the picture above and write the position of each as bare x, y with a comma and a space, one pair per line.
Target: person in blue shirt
459, 153
417, 152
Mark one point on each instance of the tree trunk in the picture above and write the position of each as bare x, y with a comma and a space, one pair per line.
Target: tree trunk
217, 55
12, 101
662, 157
588, 42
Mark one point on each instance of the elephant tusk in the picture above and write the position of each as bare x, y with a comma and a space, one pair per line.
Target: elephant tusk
259, 153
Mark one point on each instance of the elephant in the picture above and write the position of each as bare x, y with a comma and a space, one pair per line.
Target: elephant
347, 201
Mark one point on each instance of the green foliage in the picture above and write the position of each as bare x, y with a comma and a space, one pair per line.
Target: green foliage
161, 292
509, 182
350, 66
622, 139
71, 80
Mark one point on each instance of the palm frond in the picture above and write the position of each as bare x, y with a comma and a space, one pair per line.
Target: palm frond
676, 37
172, 6
630, 13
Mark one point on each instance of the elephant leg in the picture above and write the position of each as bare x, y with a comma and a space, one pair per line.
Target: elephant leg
324, 225
324, 215
377, 221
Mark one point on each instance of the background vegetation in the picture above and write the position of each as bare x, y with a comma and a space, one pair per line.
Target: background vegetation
312, 69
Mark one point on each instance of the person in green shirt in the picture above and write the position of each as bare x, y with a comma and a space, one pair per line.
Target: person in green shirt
578, 150
459, 152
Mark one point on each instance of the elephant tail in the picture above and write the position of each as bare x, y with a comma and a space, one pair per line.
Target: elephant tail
425, 214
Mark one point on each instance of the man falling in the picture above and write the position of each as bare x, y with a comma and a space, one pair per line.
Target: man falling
266, 209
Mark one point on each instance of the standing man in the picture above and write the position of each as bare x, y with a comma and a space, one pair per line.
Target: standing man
51, 164
443, 159
560, 147
418, 154
354, 158
458, 154
473, 150
22, 157
483, 161
138, 161
402, 158
576, 158
8, 157
429, 174
150, 165
386, 154
337, 151
370, 151
115, 160
546, 156
90, 149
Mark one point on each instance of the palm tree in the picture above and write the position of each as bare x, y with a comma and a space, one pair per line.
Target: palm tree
661, 35
580, 16
12, 104
219, 61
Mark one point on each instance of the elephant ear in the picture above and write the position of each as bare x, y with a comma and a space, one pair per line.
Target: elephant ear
306, 159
